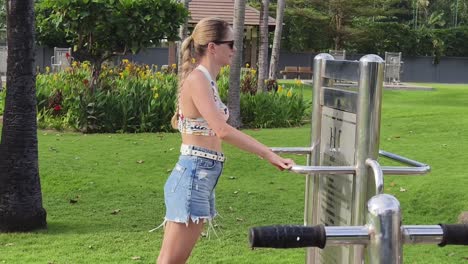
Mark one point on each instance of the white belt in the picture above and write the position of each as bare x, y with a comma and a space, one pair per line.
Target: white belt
188, 150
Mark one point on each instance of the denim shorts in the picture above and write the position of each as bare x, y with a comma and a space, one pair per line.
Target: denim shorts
189, 192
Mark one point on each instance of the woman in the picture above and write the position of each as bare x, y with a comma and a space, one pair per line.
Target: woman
201, 119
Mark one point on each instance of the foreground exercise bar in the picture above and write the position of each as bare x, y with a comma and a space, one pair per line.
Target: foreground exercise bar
382, 234
289, 236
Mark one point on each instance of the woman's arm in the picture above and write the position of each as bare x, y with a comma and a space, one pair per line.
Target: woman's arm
202, 98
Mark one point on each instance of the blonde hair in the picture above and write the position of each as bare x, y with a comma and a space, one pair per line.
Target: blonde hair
194, 47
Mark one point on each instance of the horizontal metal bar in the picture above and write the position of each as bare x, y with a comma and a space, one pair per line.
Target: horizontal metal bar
422, 234
411, 234
416, 169
401, 159
293, 150
389, 170
323, 169
347, 235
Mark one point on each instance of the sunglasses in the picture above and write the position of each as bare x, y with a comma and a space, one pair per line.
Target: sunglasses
229, 42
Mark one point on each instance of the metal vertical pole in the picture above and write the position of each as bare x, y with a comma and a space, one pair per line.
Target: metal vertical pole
312, 180
371, 69
384, 220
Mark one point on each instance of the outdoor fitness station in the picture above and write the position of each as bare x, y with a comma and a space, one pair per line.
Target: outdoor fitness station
346, 214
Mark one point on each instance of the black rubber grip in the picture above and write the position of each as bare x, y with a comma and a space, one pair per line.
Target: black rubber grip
454, 234
288, 236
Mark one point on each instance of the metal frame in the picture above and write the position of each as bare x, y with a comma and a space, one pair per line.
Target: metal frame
393, 67
59, 60
338, 54
366, 173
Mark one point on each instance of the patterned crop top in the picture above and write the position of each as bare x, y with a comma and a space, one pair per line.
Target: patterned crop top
198, 126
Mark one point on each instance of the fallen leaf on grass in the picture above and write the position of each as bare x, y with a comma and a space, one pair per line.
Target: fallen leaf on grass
140, 161
392, 184
136, 258
116, 211
239, 219
236, 192
402, 189
53, 149
232, 178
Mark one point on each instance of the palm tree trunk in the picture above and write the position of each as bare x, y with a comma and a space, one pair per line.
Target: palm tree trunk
182, 36
275, 53
234, 77
263, 50
20, 190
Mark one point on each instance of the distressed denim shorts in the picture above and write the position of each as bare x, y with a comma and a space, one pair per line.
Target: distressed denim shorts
189, 192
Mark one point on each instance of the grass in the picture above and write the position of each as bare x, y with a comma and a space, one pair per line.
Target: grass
103, 192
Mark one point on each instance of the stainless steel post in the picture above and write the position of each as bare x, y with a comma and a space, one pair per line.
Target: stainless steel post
371, 69
312, 180
384, 223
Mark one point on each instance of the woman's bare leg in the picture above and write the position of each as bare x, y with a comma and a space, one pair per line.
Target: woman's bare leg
179, 240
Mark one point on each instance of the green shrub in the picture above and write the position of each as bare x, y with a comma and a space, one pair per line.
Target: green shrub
128, 98
133, 98
276, 108
2, 100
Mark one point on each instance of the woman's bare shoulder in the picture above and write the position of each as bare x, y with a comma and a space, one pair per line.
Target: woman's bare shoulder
196, 80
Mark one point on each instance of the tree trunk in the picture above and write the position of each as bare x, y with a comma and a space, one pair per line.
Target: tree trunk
182, 36
234, 77
263, 49
275, 53
20, 190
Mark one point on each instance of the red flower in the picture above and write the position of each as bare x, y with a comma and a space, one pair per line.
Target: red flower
57, 108
67, 55
85, 81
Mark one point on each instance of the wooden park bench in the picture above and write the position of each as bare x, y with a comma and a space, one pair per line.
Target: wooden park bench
290, 71
305, 72
297, 72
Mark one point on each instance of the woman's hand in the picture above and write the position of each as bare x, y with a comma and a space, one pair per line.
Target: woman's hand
280, 162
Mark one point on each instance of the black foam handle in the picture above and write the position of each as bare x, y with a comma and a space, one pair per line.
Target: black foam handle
288, 236
454, 234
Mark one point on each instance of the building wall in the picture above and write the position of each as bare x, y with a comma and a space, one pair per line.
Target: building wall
414, 69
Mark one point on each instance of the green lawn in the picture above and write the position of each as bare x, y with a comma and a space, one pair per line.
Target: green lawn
103, 192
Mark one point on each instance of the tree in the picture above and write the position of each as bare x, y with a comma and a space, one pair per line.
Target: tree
263, 49
20, 190
2, 20
307, 28
182, 34
275, 53
234, 75
100, 29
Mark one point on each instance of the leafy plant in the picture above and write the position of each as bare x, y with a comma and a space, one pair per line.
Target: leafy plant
2, 100
129, 98
279, 107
